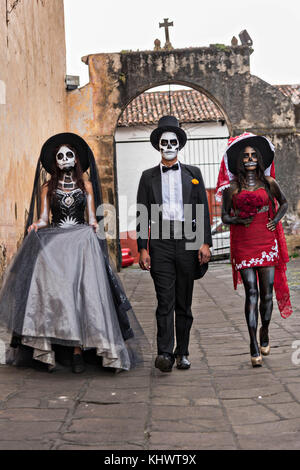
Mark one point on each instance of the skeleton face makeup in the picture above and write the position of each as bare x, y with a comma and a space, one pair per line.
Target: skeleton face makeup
169, 145
250, 158
65, 158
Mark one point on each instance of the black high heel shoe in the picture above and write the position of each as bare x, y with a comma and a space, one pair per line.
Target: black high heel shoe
256, 360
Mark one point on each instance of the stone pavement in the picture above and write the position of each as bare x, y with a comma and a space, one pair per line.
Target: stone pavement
220, 403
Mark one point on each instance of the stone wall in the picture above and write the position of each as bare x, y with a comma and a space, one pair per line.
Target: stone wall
287, 164
32, 102
99, 134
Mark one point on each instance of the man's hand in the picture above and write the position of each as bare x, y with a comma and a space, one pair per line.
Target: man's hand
144, 260
204, 254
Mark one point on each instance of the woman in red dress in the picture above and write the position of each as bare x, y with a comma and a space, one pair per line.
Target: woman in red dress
258, 248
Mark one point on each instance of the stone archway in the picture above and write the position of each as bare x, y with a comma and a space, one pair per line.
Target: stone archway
220, 72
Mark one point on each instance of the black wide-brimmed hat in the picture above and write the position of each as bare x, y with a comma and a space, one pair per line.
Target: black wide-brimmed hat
259, 142
168, 124
47, 155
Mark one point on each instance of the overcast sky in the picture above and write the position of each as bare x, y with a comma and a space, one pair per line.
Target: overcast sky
94, 26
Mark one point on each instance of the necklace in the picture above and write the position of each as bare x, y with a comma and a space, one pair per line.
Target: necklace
251, 179
67, 182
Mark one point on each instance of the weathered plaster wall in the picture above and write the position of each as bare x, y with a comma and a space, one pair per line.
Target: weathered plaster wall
97, 129
287, 164
33, 106
223, 73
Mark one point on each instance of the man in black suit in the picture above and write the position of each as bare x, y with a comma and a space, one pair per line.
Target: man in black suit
172, 190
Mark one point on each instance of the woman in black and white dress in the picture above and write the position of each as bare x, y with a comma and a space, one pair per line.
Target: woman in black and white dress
60, 292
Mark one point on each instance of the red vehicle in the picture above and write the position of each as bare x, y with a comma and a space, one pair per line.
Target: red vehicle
127, 259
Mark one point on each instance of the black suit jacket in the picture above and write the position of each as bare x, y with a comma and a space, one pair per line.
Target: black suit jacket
150, 192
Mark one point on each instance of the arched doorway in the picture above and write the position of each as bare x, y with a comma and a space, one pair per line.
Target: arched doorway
207, 131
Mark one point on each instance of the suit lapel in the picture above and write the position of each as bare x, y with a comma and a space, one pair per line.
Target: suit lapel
156, 185
186, 178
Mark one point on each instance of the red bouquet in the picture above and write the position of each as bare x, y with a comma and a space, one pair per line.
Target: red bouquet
249, 204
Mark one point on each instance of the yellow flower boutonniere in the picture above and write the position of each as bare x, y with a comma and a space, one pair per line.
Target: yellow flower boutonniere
194, 181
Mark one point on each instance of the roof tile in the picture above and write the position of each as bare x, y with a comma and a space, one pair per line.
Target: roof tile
186, 105
291, 91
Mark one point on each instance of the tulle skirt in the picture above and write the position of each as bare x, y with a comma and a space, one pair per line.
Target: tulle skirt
57, 292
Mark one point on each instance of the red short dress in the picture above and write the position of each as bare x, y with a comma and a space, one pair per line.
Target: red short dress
255, 245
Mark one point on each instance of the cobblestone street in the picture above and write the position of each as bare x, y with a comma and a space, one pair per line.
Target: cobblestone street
220, 403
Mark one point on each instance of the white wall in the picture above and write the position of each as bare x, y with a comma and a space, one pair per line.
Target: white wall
135, 156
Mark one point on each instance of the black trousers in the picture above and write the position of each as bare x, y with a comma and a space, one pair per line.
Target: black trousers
172, 270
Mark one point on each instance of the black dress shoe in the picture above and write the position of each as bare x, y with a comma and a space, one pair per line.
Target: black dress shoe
182, 362
164, 363
78, 364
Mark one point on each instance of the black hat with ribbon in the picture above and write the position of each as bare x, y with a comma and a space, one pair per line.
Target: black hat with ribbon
168, 124
47, 156
259, 142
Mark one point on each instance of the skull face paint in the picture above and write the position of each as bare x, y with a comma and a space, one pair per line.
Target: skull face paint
169, 145
65, 158
250, 158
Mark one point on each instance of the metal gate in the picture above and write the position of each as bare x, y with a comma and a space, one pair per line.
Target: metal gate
206, 154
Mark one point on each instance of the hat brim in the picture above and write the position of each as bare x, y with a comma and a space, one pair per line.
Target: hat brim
156, 135
259, 142
82, 149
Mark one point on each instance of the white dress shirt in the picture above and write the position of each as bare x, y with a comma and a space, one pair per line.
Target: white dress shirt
171, 185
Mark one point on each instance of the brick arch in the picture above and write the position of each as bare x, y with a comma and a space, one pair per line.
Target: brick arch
187, 84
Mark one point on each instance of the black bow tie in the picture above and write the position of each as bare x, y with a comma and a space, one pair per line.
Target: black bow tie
167, 168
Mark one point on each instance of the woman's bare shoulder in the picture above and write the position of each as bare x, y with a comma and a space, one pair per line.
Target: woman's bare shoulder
230, 190
88, 186
45, 187
234, 187
272, 182
270, 179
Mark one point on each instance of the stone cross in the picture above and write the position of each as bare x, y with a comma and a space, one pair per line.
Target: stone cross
166, 25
